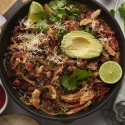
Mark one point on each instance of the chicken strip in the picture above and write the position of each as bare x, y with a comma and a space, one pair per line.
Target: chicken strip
35, 99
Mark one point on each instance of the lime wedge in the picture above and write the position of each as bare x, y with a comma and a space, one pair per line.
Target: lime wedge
35, 8
110, 72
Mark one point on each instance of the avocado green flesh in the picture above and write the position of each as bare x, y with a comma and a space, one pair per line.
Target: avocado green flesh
80, 44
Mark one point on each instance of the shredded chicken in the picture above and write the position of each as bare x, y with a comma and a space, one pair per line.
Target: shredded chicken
35, 99
74, 97
95, 14
85, 22
89, 95
109, 49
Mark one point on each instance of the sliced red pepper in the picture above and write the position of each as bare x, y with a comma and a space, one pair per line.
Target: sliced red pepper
58, 92
69, 106
103, 92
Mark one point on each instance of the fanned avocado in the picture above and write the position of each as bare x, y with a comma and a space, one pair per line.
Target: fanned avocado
80, 44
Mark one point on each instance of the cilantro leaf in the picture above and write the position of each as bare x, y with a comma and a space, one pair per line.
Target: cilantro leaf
60, 14
41, 25
52, 18
57, 4
79, 75
60, 3
87, 29
62, 32
43, 14
75, 79
74, 10
65, 81
53, 5
121, 10
112, 12
63, 110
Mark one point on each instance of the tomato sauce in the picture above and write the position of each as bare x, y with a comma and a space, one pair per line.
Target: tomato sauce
2, 96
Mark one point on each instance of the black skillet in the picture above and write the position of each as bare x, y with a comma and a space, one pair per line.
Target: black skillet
4, 41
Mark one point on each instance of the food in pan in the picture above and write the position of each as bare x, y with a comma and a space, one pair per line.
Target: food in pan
54, 56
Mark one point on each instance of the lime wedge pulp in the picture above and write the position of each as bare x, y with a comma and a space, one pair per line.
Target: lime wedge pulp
110, 72
35, 8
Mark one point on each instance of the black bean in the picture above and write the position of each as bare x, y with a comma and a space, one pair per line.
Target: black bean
56, 108
21, 92
23, 88
28, 93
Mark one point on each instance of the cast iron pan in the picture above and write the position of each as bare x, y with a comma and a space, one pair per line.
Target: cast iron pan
4, 41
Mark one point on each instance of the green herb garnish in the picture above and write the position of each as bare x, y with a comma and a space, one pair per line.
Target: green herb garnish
60, 14
122, 12
112, 11
75, 79
87, 29
43, 14
63, 110
41, 25
57, 4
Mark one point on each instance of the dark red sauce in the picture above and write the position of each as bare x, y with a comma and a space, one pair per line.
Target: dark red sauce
2, 96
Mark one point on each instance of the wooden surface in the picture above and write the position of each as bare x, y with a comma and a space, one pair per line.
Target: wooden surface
5, 5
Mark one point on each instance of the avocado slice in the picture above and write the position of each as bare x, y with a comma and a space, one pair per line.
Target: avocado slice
80, 44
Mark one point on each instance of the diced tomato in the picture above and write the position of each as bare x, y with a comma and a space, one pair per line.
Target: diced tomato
15, 36
26, 85
109, 32
29, 66
69, 106
17, 82
18, 54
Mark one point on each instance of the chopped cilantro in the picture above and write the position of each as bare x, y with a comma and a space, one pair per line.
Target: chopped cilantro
62, 29
65, 81
57, 4
52, 18
60, 3
41, 25
63, 110
49, 109
122, 12
75, 79
74, 10
87, 29
62, 32
43, 14
112, 12
60, 14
